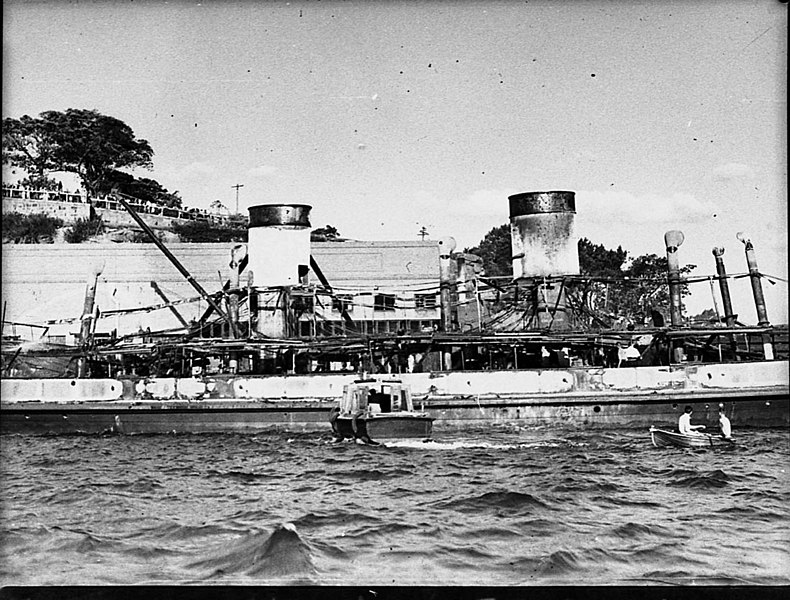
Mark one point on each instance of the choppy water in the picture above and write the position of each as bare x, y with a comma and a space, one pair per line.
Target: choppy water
516, 507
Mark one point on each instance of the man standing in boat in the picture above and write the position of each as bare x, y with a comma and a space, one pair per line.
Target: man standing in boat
684, 423
724, 424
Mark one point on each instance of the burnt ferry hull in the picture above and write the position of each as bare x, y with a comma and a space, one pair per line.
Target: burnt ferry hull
451, 414
754, 395
159, 418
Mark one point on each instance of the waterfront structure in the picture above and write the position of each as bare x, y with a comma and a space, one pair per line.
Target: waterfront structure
71, 206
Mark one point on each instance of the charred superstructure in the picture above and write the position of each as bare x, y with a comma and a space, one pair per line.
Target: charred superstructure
524, 348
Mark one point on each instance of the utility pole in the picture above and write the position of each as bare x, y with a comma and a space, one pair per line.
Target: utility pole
237, 186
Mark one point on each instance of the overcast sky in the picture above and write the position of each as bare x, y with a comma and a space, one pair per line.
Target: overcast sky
388, 117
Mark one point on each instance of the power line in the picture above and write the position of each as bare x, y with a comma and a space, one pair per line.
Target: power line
237, 186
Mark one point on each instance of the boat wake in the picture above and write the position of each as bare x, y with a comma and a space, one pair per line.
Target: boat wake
463, 444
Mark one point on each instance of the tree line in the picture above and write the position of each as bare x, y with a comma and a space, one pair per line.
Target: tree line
613, 287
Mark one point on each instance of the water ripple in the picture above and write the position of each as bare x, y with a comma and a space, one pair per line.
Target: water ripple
513, 506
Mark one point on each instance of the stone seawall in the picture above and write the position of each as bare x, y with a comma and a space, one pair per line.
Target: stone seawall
117, 218
68, 212
70, 206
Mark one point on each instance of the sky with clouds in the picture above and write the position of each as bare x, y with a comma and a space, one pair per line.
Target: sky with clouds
387, 117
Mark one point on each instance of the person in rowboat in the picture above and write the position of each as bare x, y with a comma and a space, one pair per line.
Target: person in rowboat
724, 424
684, 423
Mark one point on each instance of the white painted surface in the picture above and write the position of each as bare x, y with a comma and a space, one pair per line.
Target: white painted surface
692, 378
275, 254
26, 390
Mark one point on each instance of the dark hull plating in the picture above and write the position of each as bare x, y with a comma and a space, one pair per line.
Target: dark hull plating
753, 409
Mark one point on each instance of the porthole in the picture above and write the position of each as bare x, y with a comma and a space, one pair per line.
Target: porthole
597, 409
73, 383
674, 405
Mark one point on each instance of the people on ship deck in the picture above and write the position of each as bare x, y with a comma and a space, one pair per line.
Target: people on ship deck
684, 423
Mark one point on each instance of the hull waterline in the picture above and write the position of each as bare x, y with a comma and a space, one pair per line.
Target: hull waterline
450, 414
754, 395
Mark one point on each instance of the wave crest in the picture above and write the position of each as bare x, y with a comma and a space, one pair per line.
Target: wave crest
281, 554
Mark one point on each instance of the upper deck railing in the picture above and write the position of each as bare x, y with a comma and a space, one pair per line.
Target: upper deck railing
19, 193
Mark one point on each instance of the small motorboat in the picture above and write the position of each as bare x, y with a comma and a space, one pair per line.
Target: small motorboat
661, 438
373, 410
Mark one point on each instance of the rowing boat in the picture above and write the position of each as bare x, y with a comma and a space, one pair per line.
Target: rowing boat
661, 438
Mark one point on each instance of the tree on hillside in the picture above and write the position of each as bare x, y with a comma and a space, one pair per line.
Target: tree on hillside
79, 141
599, 261
147, 190
618, 291
651, 271
325, 234
198, 231
495, 250
40, 183
218, 207
594, 295
27, 145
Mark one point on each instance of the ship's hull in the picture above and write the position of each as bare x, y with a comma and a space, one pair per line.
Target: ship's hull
161, 417
754, 395
452, 414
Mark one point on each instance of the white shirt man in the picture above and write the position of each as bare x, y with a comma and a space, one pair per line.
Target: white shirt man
684, 423
724, 425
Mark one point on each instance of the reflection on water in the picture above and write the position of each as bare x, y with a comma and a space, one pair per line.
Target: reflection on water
516, 507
